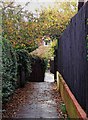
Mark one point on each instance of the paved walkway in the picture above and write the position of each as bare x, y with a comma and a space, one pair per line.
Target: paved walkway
49, 77
35, 100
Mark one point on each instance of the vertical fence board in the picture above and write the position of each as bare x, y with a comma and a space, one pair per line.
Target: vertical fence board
86, 84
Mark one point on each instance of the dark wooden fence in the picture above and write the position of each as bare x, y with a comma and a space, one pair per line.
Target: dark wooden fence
72, 56
38, 70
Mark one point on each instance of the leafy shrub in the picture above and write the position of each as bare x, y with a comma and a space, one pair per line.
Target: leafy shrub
9, 69
35, 58
24, 66
27, 47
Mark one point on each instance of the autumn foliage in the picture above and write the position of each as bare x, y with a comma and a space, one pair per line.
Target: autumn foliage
26, 30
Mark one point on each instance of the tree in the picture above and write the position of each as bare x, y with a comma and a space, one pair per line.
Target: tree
14, 20
53, 21
25, 30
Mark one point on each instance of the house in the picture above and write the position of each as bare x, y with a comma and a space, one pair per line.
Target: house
46, 40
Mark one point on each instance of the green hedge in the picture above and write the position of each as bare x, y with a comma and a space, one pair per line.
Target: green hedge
24, 66
9, 70
34, 58
17, 68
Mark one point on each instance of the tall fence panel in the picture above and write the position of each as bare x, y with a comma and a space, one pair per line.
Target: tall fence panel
72, 56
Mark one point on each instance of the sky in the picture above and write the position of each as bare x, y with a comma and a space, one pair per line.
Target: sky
35, 4
38, 4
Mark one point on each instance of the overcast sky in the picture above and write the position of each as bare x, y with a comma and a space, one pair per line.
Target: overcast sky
38, 4
35, 4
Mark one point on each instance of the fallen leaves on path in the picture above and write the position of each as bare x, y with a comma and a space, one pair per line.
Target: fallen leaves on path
34, 93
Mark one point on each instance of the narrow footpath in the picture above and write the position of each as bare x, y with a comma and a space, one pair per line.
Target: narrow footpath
35, 100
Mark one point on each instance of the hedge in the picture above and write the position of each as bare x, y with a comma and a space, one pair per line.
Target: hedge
18, 67
24, 66
9, 70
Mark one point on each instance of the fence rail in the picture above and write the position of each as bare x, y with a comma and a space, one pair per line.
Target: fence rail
72, 56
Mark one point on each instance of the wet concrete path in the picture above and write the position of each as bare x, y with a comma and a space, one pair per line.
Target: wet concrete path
35, 100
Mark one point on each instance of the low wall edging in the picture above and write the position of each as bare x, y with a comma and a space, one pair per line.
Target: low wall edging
73, 108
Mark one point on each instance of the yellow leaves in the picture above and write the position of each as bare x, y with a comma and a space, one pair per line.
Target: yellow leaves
23, 45
11, 29
1, 30
9, 22
50, 22
53, 43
